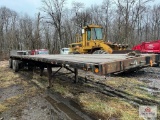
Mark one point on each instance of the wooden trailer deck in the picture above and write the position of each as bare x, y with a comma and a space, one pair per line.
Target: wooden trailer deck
101, 64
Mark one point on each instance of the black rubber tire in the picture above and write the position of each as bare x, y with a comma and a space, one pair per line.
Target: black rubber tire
10, 63
15, 65
99, 52
76, 53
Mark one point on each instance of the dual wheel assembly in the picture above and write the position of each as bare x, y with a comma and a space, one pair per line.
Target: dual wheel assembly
14, 64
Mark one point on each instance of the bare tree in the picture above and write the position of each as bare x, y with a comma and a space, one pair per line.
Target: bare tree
130, 18
37, 36
54, 11
156, 22
124, 21
77, 9
106, 7
26, 32
8, 19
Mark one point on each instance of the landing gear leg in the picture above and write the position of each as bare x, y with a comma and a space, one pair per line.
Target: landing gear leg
41, 71
49, 69
76, 75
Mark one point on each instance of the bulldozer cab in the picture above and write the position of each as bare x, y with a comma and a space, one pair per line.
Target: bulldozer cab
91, 32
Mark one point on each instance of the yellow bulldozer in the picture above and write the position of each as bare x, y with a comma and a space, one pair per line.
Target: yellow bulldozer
92, 42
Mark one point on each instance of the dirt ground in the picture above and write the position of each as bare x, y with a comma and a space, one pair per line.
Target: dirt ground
20, 99
24, 96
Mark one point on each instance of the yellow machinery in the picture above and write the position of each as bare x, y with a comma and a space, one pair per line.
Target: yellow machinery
92, 41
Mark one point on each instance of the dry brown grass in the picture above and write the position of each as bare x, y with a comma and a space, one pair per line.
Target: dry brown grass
62, 89
129, 85
108, 108
2, 108
11, 101
124, 82
8, 103
32, 91
7, 76
41, 81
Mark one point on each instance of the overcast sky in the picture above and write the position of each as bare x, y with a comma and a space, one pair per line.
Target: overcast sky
32, 6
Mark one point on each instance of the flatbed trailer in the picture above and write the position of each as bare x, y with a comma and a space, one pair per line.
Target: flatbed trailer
100, 64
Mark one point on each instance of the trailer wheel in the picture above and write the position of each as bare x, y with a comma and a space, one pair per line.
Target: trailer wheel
15, 65
10, 63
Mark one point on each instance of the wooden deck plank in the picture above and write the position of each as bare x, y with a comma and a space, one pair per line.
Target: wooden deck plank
106, 63
103, 58
73, 58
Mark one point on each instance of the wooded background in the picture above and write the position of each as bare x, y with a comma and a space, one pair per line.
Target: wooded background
55, 26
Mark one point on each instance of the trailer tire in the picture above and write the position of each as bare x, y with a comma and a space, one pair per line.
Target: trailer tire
10, 63
15, 65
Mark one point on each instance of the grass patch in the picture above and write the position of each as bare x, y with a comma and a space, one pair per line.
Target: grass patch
108, 108
32, 91
118, 82
2, 108
11, 101
62, 89
8, 103
129, 85
8, 78
138, 92
41, 81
